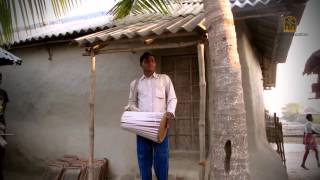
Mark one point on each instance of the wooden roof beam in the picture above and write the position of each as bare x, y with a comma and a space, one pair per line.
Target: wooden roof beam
266, 11
130, 48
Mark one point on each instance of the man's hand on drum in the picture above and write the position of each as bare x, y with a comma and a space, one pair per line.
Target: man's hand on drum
170, 117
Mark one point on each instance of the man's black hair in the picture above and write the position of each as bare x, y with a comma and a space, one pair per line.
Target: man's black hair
144, 56
309, 116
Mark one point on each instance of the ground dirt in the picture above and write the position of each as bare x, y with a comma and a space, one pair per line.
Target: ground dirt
294, 154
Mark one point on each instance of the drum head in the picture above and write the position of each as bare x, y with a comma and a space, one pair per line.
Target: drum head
162, 129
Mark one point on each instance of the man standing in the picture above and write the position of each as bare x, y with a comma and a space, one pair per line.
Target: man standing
152, 93
3, 103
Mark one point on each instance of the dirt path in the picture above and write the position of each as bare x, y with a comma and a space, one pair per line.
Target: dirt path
294, 154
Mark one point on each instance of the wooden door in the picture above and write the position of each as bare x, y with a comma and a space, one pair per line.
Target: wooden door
183, 71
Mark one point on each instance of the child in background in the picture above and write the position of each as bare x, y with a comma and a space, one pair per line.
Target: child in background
309, 140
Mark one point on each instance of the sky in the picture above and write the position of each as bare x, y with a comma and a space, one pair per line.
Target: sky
291, 85
90, 6
86, 7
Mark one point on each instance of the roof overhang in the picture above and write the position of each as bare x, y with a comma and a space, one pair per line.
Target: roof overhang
7, 58
187, 17
312, 65
264, 18
271, 38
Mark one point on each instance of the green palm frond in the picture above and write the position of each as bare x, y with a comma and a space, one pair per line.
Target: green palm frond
125, 7
30, 12
5, 20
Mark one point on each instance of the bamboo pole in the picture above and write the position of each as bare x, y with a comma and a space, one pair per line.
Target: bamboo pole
202, 109
91, 120
149, 47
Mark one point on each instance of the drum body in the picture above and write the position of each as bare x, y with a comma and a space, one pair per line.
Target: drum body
151, 125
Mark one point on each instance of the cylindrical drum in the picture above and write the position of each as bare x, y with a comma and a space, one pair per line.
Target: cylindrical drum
151, 125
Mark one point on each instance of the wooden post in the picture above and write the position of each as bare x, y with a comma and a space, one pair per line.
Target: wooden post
202, 110
279, 137
91, 121
276, 131
282, 145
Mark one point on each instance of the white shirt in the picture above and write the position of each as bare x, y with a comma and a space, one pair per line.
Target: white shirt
308, 128
155, 94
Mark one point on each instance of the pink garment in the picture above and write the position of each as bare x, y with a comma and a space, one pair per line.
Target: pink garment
310, 141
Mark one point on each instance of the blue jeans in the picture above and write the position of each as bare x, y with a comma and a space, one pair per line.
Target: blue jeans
149, 153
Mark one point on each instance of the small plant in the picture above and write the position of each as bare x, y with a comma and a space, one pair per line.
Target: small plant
316, 118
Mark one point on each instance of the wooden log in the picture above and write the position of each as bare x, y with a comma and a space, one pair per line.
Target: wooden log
202, 109
91, 120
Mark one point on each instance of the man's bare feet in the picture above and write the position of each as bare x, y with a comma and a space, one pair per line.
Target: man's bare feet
304, 167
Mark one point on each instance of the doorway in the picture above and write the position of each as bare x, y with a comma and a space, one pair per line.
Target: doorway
183, 71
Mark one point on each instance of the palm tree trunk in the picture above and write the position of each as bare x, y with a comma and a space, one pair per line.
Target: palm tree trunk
228, 152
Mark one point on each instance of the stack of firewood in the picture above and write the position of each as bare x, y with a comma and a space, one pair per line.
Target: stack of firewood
75, 168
